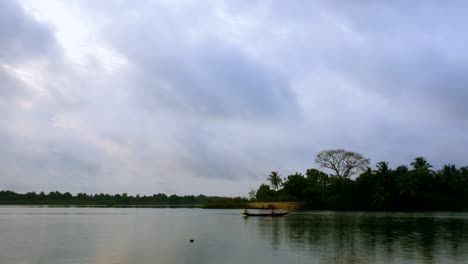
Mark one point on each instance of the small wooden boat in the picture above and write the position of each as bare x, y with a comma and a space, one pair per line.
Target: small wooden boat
266, 214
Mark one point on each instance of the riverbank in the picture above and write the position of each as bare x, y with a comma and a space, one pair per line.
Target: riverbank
255, 205
252, 205
206, 206
274, 205
106, 205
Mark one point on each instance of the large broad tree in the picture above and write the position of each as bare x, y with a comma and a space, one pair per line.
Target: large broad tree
264, 193
295, 185
275, 180
344, 163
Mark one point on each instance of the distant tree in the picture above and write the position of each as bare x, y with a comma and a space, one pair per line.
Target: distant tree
316, 189
380, 198
421, 163
264, 193
402, 169
295, 186
449, 176
67, 196
365, 190
252, 194
318, 178
173, 199
386, 176
382, 167
42, 196
425, 193
407, 184
275, 180
344, 163
30, 196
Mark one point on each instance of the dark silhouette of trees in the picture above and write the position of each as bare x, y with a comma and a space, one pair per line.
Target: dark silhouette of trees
264, 193
381, 198
400, 189
383, 188
124, 199
295, 185
420, 163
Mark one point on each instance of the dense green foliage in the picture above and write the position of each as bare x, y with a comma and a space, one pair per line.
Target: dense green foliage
160, 199
418, 188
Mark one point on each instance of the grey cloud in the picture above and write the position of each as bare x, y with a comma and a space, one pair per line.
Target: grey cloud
182, 65
216, 81
9, 87
37, 165
397, 49
410, 50
223, 92
20, 35
398, 54
33, 155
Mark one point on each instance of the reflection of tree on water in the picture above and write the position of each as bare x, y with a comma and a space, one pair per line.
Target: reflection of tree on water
272, 229
416, 236
457, 233
331, 237
276, 229
372, 237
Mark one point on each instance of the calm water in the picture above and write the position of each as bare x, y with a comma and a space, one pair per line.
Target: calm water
129, 235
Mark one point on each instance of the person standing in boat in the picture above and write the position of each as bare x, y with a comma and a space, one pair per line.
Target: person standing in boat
246, 211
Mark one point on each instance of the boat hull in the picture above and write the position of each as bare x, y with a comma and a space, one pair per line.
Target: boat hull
266, 215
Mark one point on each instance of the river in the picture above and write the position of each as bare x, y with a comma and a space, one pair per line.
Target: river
157, 235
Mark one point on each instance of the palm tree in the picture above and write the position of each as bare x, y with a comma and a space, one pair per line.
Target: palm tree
407, 185
382, 167
449, 176
252, 194
380, 198
275, 180
402, 169
421, 163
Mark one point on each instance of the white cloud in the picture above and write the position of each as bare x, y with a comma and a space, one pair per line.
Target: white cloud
76, 32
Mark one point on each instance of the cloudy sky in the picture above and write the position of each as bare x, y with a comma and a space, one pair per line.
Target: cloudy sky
194, 97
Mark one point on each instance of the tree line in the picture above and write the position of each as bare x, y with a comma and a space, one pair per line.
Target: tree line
405, 188
161, 199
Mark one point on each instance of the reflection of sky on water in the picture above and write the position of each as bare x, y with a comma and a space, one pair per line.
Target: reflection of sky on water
129, 235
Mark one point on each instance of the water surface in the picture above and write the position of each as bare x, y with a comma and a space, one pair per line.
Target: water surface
146, 235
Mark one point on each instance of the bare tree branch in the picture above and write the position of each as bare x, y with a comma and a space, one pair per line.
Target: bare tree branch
344, 163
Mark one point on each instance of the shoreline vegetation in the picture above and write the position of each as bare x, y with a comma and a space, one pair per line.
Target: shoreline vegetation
58, 199
225, 203
351, 186
159, 200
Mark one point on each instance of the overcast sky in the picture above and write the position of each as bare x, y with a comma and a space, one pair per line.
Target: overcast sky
192, 97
